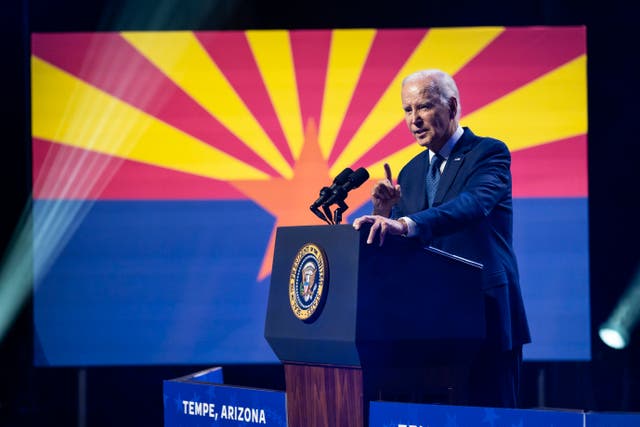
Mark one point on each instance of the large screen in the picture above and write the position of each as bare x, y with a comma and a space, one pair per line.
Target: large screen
163, 162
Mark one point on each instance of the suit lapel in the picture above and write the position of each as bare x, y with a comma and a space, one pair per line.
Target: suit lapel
454, 163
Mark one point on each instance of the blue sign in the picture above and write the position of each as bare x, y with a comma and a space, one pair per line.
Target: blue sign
612, 420
388, 414
199, 400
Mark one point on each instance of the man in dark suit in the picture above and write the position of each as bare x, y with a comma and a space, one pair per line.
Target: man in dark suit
456, 196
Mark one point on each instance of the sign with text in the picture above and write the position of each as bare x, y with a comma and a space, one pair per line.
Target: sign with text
201, 400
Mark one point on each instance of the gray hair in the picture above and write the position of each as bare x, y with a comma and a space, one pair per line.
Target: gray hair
441, 83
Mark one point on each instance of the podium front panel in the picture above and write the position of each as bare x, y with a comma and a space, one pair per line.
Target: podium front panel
395, 304
330, 338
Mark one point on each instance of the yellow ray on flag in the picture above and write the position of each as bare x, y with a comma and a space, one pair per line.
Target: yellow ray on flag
69, 111
552, 107
347, 55
180, 56
272, 52
445, 48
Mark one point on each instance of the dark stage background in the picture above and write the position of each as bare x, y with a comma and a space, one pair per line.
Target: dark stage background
133, 395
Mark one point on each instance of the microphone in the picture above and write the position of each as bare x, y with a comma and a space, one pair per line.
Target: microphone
355, 180
327, 192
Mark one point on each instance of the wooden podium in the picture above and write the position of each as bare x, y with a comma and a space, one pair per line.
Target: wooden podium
390, 318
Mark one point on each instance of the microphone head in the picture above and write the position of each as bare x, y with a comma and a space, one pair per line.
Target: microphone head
343, 176
340, 192
358, 177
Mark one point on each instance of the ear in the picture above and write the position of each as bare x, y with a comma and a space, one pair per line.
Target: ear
453, 107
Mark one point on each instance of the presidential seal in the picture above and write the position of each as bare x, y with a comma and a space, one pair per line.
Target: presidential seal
308, 282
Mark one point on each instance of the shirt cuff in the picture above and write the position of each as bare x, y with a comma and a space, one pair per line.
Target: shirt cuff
411, 226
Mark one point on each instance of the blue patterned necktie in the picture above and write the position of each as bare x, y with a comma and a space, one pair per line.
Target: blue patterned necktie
433, 177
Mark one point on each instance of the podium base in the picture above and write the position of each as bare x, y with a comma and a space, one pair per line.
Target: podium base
324, 396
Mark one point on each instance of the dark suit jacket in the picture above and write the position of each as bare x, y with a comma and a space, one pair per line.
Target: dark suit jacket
472, 217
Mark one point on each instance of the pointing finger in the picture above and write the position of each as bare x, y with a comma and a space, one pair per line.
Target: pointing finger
387, 171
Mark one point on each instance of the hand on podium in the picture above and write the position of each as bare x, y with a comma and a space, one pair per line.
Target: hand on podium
381, 226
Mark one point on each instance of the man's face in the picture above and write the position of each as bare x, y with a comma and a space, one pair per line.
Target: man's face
430, 120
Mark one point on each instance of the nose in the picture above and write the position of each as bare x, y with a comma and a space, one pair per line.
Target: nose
414, 117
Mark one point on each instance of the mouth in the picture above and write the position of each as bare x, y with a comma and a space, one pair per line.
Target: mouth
420, 133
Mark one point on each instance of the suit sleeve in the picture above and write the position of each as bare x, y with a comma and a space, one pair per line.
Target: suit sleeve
483, 182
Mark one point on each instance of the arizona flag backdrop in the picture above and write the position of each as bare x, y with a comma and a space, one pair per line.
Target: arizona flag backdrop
164, 161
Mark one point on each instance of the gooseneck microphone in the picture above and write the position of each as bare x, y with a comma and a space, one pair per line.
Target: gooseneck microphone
327, 192
339, 194
355, 180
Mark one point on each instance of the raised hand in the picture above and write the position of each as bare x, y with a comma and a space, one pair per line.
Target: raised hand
385, 194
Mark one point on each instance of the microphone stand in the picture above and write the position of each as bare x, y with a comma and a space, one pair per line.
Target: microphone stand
337, 214
320, 215
327, 212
